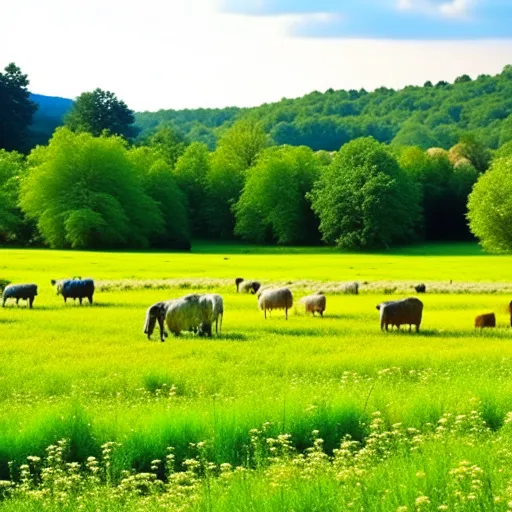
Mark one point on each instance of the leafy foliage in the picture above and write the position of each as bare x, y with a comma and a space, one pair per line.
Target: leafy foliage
364, 200
273, 205
200, 125
471, 149
85, 192
161, 186
97, 111
190, 172
490, 207
444, 188
14, 228
237, 152
169, 143
16, 108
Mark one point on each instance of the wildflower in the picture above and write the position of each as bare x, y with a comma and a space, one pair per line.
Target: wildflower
421, 501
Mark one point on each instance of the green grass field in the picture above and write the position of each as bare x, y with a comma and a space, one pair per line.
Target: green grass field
88, 375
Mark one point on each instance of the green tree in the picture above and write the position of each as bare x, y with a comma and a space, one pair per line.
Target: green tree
14, 228
97, 111
433, 174
84, 192
472, 149
415, 134
160, 185
169, 142
237, 152
490, 207
273, 206
504, 151
243, 142
190, 171
16, 109
505, 134
364, 200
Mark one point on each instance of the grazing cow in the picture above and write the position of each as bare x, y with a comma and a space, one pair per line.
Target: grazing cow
487, 320
26, 292
398, 312
193, 312
75, 289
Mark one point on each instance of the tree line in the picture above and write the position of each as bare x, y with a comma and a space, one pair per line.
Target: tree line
97, 185
428, 116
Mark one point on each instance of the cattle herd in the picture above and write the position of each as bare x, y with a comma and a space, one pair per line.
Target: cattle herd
198, 313
76, 288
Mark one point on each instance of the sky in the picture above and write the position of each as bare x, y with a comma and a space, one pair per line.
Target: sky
159, 54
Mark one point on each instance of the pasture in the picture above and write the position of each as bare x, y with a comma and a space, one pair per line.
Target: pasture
428, 410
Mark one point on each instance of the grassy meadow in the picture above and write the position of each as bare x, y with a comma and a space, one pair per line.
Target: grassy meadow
305, 414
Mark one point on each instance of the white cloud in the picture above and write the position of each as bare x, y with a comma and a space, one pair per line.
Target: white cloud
448, 8
456, 8
405, 5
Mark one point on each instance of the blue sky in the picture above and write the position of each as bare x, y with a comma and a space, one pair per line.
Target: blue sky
389, 19
213, 53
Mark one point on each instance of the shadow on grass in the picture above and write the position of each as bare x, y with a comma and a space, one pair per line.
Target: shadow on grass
500, 333
190, 336
299, 332
57, 307
102, 305
345, 316
232, 336
4, 321
98, 305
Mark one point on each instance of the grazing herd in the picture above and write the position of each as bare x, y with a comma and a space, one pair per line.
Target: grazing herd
75, 288
198, 313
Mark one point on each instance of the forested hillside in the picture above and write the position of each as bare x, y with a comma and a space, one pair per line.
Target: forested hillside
428, 116
50, 113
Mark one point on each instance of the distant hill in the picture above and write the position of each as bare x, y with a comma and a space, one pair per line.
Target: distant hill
427, 116
203, 125
49, 115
